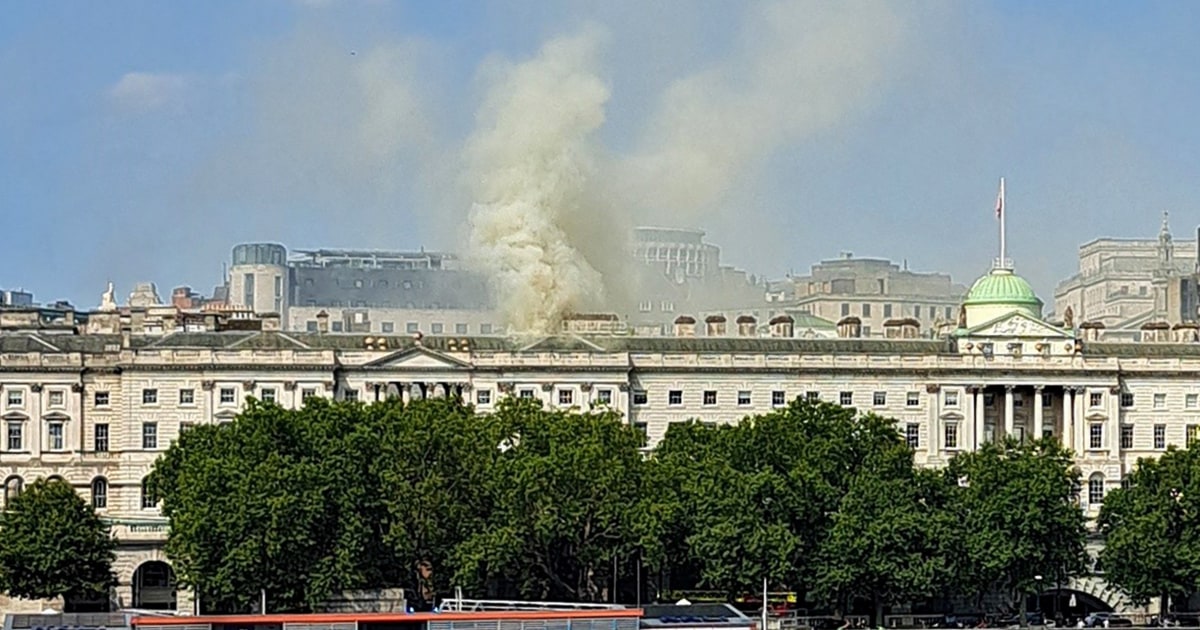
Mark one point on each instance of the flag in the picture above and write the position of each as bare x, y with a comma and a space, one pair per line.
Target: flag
1000, 200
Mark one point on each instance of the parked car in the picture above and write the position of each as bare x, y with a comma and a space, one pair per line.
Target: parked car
1106, 620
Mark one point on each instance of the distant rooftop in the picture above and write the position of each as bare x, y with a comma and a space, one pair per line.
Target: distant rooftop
366, 258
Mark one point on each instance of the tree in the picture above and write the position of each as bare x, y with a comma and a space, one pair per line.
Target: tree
53, 544
758, 498
564, 492
889, 541
1151, 529
1018, 518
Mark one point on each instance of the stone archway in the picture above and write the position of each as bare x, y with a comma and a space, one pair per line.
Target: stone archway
154, 586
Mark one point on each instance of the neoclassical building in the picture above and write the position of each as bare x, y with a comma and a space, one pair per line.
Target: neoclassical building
94, 398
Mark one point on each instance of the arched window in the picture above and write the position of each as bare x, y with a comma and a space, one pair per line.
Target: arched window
99, 493
53, 478
12, 488
1096, 489
148, 500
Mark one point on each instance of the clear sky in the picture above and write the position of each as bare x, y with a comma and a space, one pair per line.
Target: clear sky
139, 141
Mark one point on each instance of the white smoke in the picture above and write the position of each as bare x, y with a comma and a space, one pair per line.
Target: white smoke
800, 69
531, 161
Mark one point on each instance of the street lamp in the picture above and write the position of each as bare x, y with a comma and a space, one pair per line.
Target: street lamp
1038, 579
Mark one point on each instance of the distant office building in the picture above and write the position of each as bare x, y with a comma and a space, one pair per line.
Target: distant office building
874, 291
15, 298
1124, 284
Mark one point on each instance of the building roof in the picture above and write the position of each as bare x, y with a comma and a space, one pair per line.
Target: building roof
1002, 287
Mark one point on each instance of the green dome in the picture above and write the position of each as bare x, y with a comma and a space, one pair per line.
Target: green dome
1002, 286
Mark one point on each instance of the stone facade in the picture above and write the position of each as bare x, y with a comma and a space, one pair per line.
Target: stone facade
96, 409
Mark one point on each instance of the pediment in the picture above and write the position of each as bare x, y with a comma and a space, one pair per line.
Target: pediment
1096, 417
1018, 325
952, 416
418, 358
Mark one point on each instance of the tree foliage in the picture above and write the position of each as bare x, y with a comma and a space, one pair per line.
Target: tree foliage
1152, 528
53, 544
552, 504
1019, 517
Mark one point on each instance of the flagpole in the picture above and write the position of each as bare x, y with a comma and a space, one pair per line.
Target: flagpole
1003, 213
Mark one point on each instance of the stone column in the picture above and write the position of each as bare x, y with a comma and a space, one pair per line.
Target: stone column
37, 428
1114, 421
405, 392
1009, 419
935, 401
1038, 419
1068, 418
979, 421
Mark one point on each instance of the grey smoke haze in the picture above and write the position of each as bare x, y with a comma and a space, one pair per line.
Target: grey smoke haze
787, 130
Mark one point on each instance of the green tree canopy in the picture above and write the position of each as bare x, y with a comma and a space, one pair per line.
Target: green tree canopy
1016, 506
1152, 528
53, 544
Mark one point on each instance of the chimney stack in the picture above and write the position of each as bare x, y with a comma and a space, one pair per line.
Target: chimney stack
849, 327
714, 326
782, 326
323, 322
746, 324
685, 326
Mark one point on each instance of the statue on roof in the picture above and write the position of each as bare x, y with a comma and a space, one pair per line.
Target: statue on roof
962, 316
1069, 318
108, 301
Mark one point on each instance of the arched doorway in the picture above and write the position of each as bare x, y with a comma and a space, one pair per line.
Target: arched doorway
154, 586
1068, 604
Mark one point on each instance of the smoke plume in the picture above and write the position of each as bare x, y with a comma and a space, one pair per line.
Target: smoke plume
530, 162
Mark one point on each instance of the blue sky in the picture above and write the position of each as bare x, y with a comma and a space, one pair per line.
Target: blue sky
139, 141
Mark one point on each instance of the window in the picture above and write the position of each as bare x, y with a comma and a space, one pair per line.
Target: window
1126, 400
1126, 436
228, 396
187, 396
15, 430
336, 326
1160, 436
12, 488
485, 329
951, 440
675, 397
387, 327
483, 397
710, 397
1096, 435
148, 500
1190, 401
149, 396
950, 397
149, 435
1047, 402
57, 398
411, 327
1018, 400
912, 435
267, 394
436, 328
101, 399
866, 310
887, 310
1095, 399
917, 312
16, 398
913, 399
604, 397
645, 306
184, 427
350, 395
812, 396
1193, 433
99, 493
306, 393
778, 398
460, 329
846, 399
845, 309
743, 398
526, 393
310, 326
639, 396
54, 431
566, 397
879, 399
643, 429
1160, 401
1096, 489
100, 438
